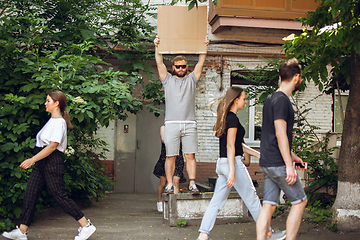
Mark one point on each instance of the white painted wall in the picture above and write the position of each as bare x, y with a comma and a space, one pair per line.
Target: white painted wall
108, 135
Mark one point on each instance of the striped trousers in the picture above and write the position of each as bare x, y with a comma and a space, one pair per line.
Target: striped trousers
50, 172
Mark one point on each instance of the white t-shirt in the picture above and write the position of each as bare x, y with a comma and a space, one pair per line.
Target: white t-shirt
53, 131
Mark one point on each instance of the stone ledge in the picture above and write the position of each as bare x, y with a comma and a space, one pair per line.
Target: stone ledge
191, 208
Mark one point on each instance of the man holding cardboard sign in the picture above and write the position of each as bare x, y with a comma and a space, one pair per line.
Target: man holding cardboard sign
180, 121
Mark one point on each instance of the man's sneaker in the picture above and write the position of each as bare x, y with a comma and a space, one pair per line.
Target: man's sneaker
15, 234
159, 206
85, 232
193, 189
169, 189
277, 235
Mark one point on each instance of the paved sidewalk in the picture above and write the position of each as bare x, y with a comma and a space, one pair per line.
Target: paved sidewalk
134, 216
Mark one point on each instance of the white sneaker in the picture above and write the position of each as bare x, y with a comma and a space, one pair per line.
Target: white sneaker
193, 189
169, 189
15, 234
159, 206
85, 232
277, 235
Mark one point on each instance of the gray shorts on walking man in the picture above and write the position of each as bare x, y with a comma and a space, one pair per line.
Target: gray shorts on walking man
274, 181
186, 132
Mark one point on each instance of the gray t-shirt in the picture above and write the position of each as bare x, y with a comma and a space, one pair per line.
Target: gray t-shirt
180, 97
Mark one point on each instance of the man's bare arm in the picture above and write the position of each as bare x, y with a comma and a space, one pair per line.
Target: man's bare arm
199, 66
159, 60
283, 143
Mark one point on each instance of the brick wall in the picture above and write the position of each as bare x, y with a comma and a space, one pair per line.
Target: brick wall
321, 113
108, 166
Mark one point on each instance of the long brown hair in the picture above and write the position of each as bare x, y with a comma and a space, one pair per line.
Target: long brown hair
61, 98
225, 103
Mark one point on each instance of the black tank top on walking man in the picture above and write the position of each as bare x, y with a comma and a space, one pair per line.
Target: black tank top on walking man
232, 121
276, 106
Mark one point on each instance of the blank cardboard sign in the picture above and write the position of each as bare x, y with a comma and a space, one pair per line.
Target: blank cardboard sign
182, 31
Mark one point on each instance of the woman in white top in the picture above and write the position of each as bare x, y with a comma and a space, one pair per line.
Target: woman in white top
49, 170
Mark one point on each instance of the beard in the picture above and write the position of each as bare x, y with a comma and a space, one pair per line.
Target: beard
297, 86
179, 74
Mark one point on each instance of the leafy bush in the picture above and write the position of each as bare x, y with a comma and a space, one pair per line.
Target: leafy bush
85, 173
332, 227
47, 45
278, 211
322, 166
322, 214
6, 225
22, 117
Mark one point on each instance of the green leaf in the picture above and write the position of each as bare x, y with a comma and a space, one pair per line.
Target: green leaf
90, 114
18, 174
291, 37
17, 148
17, 212
20, 128
5, 165
263, 97
129, 97
11, 136
357, 47
87, 34
28, 61
80, 117
192, 4
7, 146
29, 87
321, 87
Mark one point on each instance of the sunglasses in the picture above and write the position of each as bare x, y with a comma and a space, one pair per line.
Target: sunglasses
180, 66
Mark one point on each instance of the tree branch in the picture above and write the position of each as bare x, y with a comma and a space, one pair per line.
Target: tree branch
6, 6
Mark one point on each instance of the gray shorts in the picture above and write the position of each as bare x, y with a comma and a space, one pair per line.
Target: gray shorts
184, 132
274, 181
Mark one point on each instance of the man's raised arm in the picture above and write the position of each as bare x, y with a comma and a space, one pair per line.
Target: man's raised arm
199, 66
159, 60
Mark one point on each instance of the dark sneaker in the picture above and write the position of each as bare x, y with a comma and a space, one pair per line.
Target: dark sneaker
193, 189
169, 189
276, 235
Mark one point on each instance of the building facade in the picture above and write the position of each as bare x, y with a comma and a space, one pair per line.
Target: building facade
239, 32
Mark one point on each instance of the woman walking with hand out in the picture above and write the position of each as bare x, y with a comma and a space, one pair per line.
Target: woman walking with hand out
230, 167
49, 170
